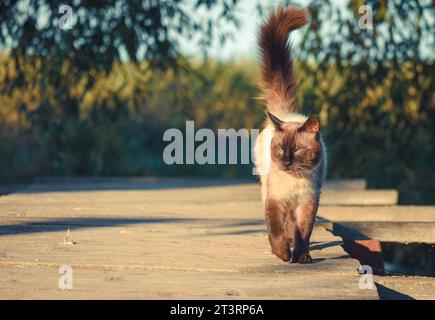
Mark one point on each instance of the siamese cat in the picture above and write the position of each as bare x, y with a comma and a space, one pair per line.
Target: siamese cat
289, 152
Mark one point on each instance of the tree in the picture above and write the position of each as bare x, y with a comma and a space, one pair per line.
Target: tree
49, 69
102, 32
375, 91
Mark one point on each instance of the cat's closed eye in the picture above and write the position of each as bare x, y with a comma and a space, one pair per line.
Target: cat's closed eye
280, 151
297, 150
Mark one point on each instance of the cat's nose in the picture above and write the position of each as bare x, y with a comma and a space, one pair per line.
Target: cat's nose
287, 161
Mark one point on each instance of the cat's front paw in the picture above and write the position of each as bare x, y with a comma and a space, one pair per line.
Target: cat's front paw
281, 249
284, 255
303, 258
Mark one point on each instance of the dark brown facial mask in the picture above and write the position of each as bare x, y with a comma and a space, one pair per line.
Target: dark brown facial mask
295, 147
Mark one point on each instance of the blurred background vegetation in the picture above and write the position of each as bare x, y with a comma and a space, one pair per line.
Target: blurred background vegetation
96, 99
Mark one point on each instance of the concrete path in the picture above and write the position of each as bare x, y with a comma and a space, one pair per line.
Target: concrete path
163, 240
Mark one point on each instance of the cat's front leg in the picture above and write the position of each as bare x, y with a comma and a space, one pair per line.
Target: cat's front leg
276, 231
305, 216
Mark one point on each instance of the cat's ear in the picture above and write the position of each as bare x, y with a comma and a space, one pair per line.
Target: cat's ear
276, 122
312, 124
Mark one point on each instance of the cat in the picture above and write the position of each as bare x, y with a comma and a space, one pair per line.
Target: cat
290, 142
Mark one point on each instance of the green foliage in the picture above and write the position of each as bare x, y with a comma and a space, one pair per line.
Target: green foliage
121, 121
70, 107
373, 89
102, 34
375, 92
103, 30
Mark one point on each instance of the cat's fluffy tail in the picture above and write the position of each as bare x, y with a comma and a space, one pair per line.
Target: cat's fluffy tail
277, 78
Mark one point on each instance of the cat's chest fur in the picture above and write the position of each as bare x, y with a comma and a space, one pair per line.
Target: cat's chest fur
286, 187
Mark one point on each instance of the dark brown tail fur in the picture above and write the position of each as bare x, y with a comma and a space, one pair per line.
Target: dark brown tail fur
277, 79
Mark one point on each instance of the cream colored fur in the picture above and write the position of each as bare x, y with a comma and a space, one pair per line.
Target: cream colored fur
279, 184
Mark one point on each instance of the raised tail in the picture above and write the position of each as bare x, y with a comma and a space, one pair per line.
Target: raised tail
277, 78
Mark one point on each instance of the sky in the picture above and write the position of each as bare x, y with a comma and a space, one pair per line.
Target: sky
244, 44
244, 41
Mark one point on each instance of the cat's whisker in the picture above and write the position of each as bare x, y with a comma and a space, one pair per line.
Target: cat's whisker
309, 172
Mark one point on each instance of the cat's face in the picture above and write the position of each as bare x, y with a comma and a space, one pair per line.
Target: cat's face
296, 147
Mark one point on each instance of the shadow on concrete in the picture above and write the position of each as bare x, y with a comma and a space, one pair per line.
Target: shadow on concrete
346, 232
244, 223
78, 184
390, 294
8, 188
55, 225
237, 232
323, 245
